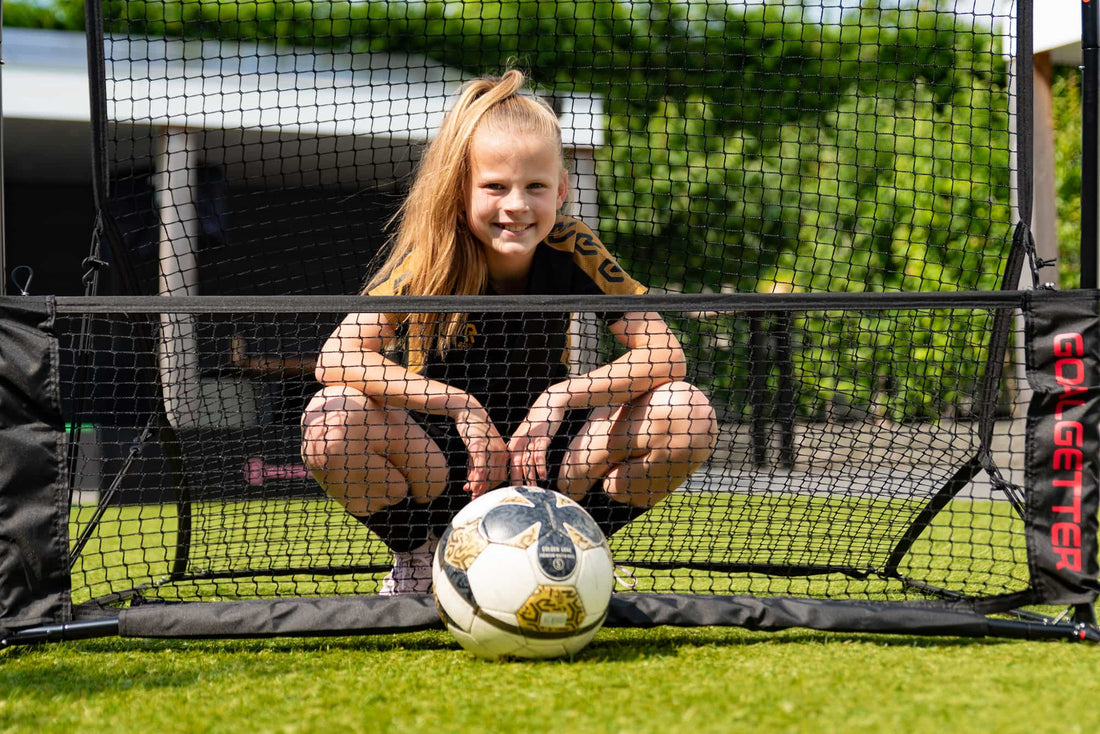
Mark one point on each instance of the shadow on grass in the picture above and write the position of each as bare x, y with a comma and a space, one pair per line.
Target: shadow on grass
116, 665
627, 644
410, 641
611, 645
77, 677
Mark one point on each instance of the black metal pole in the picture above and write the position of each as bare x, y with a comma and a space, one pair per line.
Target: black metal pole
3, 218
84, 630
1023, 630
758, 385
1090, 119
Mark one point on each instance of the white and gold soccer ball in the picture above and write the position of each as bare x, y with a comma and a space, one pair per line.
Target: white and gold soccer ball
523, 572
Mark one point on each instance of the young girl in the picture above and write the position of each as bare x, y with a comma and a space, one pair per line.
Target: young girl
481, 400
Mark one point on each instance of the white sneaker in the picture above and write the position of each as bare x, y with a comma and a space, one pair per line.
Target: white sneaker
412, 571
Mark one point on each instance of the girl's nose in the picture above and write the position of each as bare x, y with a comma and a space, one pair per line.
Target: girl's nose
516, 199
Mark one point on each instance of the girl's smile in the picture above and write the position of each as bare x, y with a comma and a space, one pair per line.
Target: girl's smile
517, 184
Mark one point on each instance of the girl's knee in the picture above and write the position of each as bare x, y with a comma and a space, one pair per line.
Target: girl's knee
335, 398
691, 423
683, 401
330, 416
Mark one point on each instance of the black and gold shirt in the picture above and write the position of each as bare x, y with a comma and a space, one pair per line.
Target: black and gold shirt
506, 360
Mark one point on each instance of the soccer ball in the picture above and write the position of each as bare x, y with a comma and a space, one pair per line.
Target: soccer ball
523, 572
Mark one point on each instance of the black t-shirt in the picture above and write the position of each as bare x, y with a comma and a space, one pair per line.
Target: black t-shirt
506, 360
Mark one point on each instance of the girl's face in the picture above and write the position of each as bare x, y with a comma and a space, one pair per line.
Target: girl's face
517, 185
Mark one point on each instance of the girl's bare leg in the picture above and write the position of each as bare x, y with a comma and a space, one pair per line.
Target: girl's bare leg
368, 457
644, 450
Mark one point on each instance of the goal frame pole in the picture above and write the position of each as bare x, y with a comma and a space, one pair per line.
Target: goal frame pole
1090, 145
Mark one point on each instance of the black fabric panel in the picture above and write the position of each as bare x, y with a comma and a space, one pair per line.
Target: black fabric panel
377, 614
780, 613
1063, 476
282, 617
34, 569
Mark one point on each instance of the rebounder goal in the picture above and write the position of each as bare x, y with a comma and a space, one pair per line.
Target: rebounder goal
829, 207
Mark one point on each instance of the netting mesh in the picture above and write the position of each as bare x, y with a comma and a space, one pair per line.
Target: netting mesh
783, 146
262, 148
817, 492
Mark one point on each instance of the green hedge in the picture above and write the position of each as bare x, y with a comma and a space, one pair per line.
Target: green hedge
748, 149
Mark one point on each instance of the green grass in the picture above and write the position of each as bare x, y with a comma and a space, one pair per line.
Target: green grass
974, 547
662, 680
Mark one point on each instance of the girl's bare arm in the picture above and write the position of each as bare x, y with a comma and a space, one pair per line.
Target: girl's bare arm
353, 356
654, 357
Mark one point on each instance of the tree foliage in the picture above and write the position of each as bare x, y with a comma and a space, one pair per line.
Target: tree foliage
748, 147
1066, 91
58, 15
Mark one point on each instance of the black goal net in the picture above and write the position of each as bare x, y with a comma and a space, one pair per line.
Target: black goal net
260, 146
826, 203
842, 468
817, 491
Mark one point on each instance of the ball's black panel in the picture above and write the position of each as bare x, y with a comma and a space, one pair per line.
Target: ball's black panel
557, 555
458, 578
503, 523
556, 552
461, 582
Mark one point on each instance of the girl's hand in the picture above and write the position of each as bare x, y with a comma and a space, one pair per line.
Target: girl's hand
530, 443
488, 454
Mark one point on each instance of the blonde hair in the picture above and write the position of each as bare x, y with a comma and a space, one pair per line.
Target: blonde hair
433, 248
